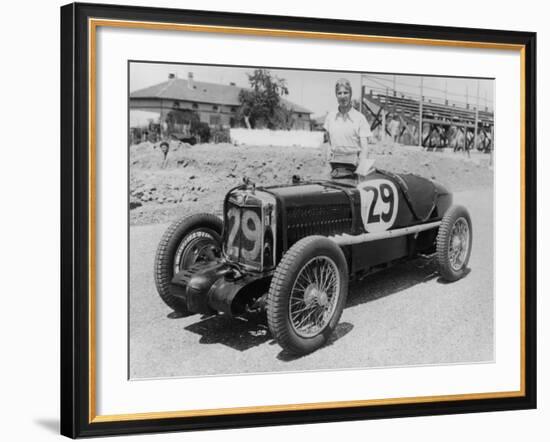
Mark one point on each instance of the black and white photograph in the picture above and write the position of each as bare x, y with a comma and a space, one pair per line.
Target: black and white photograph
287, 220
275, 221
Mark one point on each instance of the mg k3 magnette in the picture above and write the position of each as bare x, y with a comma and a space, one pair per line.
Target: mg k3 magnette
292, 249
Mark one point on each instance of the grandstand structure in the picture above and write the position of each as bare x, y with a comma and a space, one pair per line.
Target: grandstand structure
427, 117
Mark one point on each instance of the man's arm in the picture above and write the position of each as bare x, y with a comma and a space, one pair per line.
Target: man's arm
327, 147
326, 127
364, 133
364, 142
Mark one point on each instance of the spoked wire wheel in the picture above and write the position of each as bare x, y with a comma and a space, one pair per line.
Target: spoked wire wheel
307, 294
187, 241
313, 296
199, 246
459, 243
454, 243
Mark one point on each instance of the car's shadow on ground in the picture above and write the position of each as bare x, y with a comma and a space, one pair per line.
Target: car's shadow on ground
245, 332
443, 281
240, 333
341, 330
391, 281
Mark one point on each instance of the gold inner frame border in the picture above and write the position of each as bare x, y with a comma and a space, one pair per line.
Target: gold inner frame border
93, 24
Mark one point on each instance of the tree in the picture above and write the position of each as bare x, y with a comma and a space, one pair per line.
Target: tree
261, 104
187, 123
202, 130
178, 121
284, 118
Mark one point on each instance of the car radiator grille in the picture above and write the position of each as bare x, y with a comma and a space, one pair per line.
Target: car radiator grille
323, 220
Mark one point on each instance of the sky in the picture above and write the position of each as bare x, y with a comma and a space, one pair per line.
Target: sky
314, 90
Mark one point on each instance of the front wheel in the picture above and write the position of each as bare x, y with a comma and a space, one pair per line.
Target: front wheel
454, 243
307, 294
195, 238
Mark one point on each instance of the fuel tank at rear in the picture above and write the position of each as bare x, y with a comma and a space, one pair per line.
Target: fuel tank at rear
389, 200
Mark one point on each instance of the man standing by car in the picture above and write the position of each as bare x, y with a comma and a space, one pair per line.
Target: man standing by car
348, 132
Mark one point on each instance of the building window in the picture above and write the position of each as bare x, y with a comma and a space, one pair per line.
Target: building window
195, 106
215, 107
233, 109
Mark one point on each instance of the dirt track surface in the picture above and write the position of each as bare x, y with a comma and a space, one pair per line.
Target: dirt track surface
197, 178
403, 316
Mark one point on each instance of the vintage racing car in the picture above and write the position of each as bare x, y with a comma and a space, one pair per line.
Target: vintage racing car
292, 249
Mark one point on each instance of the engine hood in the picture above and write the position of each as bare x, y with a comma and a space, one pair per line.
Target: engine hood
308, 194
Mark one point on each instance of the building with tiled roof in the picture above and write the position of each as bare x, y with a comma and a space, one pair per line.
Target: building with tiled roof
215, 104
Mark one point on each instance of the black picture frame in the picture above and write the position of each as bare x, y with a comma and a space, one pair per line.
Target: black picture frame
77, 417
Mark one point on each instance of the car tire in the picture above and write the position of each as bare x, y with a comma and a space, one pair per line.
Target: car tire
186, 241
311, 279
454, 243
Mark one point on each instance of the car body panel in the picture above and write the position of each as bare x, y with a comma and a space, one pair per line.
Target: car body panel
261, 224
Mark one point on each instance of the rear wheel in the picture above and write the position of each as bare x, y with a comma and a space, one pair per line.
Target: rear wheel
307, 294
454, 243
195, 238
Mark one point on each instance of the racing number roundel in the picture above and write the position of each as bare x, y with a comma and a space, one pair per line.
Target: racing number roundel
379, 204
